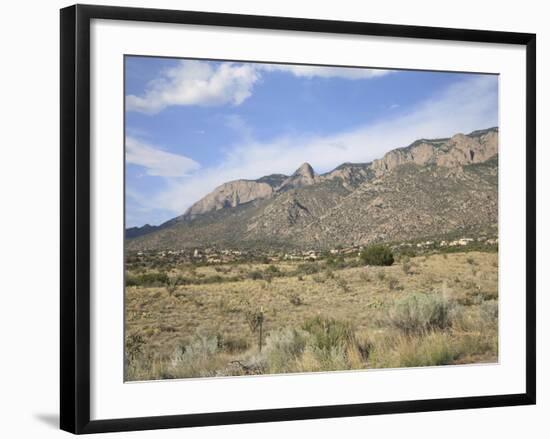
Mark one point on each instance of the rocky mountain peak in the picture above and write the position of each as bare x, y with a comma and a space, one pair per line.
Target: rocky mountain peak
305, 170
303, 176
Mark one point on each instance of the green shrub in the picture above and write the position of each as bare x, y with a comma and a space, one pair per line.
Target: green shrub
377, 255
489, 310
282, 348
336, 262
255, 275
418, 313
308, 268
172, 285
232, 344
273, 270
151, 279
328, 333
197, 357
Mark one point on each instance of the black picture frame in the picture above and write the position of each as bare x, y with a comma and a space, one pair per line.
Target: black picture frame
75, 217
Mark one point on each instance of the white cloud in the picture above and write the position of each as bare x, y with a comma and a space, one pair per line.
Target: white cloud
325, 72
463, 107
196, 83
157, 162
206, 84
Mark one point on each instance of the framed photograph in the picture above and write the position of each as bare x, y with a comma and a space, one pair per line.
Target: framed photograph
268, 218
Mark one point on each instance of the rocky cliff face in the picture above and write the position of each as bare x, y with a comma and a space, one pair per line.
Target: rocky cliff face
228, 195
464, 150
350, 175
457, 151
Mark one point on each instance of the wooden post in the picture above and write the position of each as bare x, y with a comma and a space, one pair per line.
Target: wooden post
261, 325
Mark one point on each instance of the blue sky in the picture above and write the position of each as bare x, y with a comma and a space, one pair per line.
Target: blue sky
192, 125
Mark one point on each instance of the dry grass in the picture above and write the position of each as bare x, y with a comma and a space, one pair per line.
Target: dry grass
436, 310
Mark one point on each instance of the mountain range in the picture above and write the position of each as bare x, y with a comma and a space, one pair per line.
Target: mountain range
429, 189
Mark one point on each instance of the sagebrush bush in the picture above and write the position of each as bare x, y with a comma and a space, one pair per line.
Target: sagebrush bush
273, 270
172, 285
232, 344
255, 275
417, 313
482, 317
289, 341
283, 348
328, 333
308, 268
377, 255
489, 310
195, 358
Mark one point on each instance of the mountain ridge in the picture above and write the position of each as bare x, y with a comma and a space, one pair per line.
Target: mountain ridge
306, 202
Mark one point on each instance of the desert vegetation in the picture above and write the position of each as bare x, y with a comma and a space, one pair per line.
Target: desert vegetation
253, 270
375, 308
